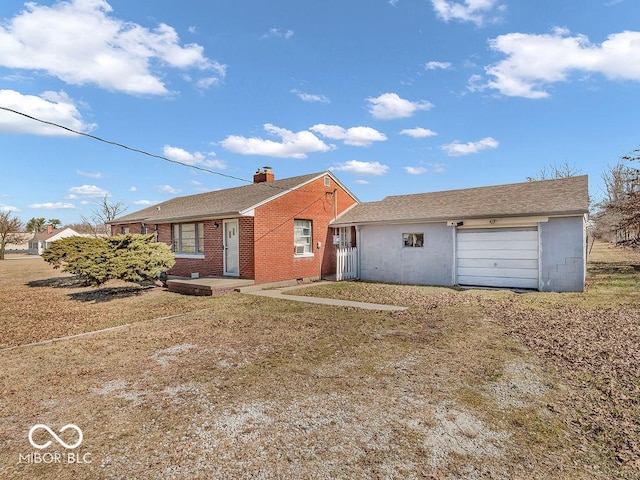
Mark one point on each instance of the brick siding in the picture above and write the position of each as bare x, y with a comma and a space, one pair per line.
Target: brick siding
266, 241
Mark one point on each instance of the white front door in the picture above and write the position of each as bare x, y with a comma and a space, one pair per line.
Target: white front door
231, 252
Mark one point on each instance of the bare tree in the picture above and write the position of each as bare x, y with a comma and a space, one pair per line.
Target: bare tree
10, 231
82, 227
619, 215
103, 215
553, 170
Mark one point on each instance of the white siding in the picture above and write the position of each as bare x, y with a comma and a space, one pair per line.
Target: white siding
501, 257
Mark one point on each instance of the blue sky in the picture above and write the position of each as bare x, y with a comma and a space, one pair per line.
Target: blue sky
394, 96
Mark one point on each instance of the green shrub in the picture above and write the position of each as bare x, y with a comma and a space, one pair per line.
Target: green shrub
132, 258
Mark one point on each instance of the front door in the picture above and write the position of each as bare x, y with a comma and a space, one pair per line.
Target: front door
231, 256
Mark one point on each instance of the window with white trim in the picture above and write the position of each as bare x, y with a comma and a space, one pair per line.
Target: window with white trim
413, 240
302, 238
188, 238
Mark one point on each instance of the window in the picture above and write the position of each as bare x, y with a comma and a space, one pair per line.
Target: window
327, 182
413, 239
188, 238
302, 238
344, 237
124, 230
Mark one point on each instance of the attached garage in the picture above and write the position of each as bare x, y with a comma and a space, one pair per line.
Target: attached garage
529, 235
498, 257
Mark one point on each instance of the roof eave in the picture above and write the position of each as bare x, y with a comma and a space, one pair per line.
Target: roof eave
441, 219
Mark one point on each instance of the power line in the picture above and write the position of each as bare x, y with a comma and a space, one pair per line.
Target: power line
132, 149
143, 152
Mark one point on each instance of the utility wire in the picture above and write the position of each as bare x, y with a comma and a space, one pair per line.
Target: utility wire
136, 150
143, 152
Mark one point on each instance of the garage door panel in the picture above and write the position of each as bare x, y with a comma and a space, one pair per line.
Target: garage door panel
514, 235
491, 282
498, 263
497, 257
498, 272
498, 254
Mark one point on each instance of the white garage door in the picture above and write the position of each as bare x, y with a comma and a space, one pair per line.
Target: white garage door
500, 257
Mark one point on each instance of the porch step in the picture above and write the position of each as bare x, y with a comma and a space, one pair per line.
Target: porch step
206, 286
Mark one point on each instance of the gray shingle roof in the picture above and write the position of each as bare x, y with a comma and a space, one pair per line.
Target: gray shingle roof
563, 196
220, 203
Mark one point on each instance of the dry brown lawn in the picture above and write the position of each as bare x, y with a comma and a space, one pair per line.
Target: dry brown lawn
464, 384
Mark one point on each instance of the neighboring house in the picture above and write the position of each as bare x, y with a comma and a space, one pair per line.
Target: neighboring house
527, 235
268, 231
39, 242
23, 243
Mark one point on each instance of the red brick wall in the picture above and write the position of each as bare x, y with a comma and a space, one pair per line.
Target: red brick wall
133, 228
274, 258
266, 240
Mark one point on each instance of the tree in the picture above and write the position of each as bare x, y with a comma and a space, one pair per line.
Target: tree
36, 225
54, 222
82, 228
10, 231
131, 257
619, 213
103, 215
553, 170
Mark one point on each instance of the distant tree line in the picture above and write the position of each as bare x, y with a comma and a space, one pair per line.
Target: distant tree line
618, 215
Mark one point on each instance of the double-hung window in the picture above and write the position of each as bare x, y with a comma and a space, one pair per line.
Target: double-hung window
302, 238
188, 238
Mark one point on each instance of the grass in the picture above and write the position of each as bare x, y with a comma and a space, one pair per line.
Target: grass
464, 384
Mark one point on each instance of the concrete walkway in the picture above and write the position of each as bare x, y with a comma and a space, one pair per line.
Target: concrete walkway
279, 293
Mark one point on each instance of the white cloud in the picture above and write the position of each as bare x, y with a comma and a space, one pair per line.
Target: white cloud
8, 208
362, 182
292, 145
90, 174
133, 189
167, 189
196, 158
114, 54
355, 136
438, 167
478, 12
389, 106
278, 33
53, 206
536, 61
415, 170
418, 132
88, 191
310, 97
55, 107
437, 65
362, 168
457, 149
146, 202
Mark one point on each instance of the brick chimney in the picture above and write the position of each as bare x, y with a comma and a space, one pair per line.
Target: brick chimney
49, 229
263, 174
